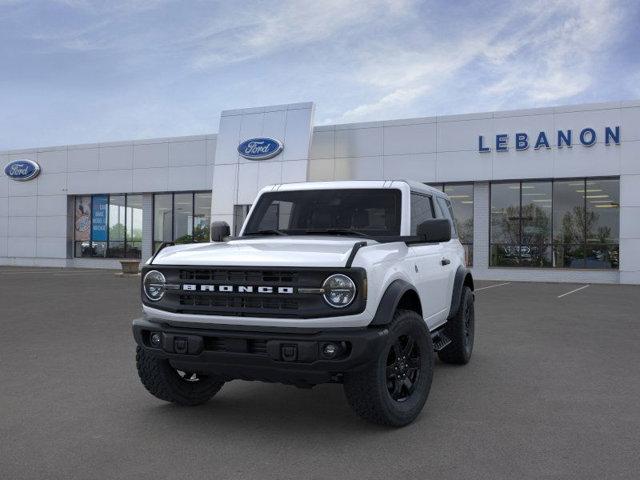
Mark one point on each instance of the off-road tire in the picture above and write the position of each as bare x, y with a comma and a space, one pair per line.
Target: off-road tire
368, 390
460, 329
164, 382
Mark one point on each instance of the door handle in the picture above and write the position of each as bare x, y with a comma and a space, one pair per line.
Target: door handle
445, 261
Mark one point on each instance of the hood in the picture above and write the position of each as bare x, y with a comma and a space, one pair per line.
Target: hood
271, 251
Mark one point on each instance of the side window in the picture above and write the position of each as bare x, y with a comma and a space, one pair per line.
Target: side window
421, 210
447, 210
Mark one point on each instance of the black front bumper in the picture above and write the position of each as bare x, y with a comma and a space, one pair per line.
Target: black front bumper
276, 355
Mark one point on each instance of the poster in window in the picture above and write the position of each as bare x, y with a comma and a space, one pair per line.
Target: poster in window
83, 219
99, 220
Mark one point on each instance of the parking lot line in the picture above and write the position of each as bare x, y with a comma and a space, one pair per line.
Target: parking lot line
573, 291
55, 273
492, 286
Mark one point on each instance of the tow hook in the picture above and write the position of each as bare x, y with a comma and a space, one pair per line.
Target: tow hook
289, 353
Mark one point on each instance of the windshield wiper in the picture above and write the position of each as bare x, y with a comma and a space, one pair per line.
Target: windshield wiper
265, 232
338, 231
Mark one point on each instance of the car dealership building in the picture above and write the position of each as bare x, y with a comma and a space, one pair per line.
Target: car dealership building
549, 194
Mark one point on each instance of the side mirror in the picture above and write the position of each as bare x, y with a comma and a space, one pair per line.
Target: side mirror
219, 230
435, 230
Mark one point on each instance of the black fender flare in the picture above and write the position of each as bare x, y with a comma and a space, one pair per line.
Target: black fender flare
390, 300
463, 275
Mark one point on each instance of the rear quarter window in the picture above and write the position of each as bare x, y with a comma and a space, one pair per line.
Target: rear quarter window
447, 212
421, 210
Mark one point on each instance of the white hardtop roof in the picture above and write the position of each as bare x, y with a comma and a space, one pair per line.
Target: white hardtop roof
337, 185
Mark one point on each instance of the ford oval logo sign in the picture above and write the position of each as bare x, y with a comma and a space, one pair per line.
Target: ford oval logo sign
260, 148
22, 170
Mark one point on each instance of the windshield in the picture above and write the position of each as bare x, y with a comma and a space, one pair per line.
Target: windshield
361, 212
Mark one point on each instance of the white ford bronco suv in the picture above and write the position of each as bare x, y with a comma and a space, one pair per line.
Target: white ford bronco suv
354, 282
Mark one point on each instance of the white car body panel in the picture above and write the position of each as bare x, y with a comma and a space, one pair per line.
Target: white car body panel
418, 264
271, 251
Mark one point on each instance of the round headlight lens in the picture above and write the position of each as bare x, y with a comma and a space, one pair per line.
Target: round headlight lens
339, 290
153, 285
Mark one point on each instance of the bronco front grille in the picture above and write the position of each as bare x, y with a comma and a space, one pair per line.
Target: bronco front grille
282, 298
238, 302
265, 277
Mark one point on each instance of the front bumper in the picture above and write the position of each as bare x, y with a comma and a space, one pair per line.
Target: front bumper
275, 355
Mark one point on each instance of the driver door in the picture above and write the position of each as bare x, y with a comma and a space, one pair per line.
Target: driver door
431, 277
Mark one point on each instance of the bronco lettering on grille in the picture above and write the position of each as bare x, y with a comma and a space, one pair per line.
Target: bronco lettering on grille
190, 287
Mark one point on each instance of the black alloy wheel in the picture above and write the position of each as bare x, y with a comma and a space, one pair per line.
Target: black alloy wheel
403, 368
394, 386
191, 377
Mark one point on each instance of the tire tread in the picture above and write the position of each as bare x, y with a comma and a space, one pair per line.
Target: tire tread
155, 374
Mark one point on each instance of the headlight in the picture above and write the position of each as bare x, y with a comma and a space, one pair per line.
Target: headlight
339, 290
153, 285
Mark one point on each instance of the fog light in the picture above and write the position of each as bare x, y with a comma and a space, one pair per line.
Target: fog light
330, 350
156, 339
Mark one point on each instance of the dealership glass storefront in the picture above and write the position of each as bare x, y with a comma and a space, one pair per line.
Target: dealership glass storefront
108, 226
556, 223
182, 217
533, 223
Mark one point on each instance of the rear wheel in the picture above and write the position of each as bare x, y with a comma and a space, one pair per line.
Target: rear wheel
171, 385
460, 329
393, 389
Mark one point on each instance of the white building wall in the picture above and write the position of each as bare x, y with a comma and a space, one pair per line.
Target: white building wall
238, 180
445, 149
35, 227
147, 226
480, 226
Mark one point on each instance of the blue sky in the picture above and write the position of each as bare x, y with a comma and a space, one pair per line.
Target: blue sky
76, 71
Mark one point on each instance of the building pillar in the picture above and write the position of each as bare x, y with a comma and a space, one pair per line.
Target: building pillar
481, 216
629, 229
237, 180
147, 226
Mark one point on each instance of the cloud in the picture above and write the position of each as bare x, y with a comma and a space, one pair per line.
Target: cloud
257, 32
552, 60
541, 53
127, 69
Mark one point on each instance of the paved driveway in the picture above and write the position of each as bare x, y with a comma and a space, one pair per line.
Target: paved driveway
553, 391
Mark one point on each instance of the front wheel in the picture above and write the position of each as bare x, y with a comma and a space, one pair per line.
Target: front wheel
171, 385
393, 389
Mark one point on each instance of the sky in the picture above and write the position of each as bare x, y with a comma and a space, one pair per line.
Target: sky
80, 71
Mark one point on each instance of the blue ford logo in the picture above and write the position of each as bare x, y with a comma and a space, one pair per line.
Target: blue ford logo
260, 148
22, 170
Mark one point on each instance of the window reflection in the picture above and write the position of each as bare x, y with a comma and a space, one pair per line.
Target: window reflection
461, 197
181, 217
564, 224
535, 217
505, 224
134, 226
108, 226
603, 223
162, 219
201, 217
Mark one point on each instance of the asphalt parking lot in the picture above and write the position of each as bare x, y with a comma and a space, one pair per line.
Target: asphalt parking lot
553, 391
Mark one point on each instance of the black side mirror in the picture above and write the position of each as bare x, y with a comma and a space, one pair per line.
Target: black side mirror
435, 230
219, 231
